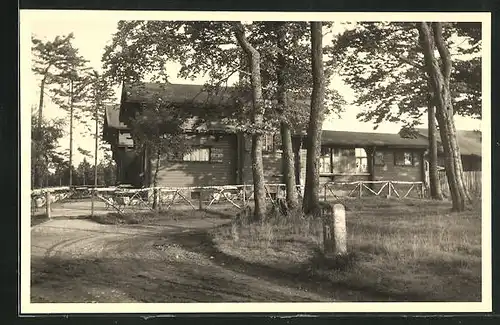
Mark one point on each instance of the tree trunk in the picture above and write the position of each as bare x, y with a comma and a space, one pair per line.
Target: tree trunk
311, 191
434, 184
292, 198
257, 119
71, 133
38, 179
40, 103
96, 144
440, 78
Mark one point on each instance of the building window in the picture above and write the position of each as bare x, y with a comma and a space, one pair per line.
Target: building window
325, 166
125, 139
216, 155
379, 158
405, 158
350, 161
198, 154
272, 143
343, 160
361, 160
267, 145
202, 154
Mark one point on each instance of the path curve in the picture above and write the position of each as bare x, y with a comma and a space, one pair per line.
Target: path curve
81, 261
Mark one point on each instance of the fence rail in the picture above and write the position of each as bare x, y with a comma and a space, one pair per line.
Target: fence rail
121, 199
85, 199
376, 188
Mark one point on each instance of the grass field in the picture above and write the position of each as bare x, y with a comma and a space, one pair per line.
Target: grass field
399, 249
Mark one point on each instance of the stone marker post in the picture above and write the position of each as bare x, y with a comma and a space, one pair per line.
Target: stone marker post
334, 229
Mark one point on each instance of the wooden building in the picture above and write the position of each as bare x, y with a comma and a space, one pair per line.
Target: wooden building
469, 142
221, 155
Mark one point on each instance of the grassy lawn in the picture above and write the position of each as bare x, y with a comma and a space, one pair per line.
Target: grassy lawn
400, 249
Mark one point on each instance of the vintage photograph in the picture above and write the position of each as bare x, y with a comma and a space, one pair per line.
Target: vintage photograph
185, 158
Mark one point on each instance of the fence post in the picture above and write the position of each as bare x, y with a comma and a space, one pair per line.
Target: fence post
334, 229
389, 187
47, 204
324, 191
200, 200
157, 199
92, 198
360, 188
244, 194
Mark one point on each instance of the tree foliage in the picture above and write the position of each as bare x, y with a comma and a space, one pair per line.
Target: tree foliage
141, 49
384, 64
44, 147
48, 60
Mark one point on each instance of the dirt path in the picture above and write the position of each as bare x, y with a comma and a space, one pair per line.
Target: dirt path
170, 261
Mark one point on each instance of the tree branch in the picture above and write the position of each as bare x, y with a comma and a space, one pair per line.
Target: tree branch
410, 62
442, 49
239, 32
425, 36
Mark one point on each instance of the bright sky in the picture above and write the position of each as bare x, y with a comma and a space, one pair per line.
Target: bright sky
93, 30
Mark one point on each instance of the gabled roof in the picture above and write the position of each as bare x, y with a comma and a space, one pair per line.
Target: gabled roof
112, 117
348, 138
147, 92
469, 142
113, 112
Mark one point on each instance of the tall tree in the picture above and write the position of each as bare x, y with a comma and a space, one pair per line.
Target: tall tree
72, 93
285, 127
48, 57
257, 119
311, 191
99, 93
440, 74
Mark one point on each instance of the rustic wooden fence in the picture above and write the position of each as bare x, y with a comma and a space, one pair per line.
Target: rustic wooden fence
126, 199
399, 189
120, 199
472, 180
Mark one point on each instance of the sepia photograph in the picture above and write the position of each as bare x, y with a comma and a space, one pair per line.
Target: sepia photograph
186, 162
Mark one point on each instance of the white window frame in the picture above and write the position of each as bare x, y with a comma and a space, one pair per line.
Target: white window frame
201, 154
411, 155
361, 156
353, 158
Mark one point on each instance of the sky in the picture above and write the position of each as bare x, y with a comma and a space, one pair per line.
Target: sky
92, 32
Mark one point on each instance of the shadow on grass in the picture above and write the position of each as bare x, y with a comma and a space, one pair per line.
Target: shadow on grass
300, 275
220, 213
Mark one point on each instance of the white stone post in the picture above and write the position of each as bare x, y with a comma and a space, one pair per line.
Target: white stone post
334, 230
